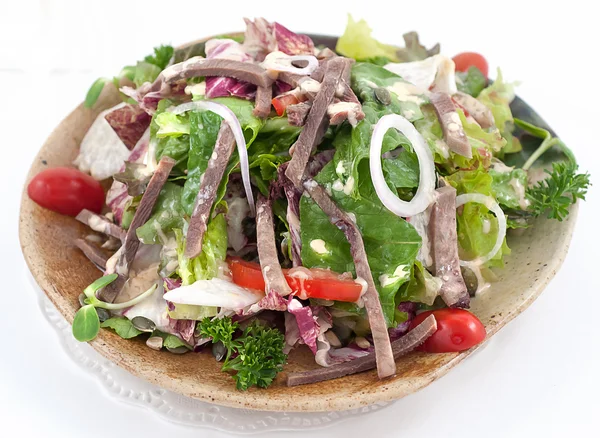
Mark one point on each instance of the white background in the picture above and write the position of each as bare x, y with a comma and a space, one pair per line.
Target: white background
538, 377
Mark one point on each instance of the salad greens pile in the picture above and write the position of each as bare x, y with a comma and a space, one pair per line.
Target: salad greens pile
232, 294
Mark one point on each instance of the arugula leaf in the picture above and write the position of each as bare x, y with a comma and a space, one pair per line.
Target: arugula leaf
122, 327
86, 324
390, 241
555, 194
414, 50
135, 176
471, 82
166, 215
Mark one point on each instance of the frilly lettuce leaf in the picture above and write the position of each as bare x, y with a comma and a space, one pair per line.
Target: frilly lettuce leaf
170, 124
357, 43
473, 220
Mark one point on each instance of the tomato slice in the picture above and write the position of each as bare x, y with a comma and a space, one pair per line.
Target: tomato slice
66, 191
306, 283
464, 60
458, 330
280, 103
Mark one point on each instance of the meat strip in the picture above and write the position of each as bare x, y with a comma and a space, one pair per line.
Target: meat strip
208, 190
198, 66
292, 79
297, 113
454, 134
316, 122
267, 249
262, 103
101, 224
340, 111
401, 346
385, 361
94, 253
481, 113
444, 248
132, 243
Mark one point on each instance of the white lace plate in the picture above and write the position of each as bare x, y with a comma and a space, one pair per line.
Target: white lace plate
127, 388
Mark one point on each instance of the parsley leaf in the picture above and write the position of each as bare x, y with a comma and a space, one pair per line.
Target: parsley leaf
256, 356
161, 57
555, 194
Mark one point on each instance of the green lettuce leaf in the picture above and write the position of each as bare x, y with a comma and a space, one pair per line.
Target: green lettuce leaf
170, 124
204, 128
122, 327
357, 43
166, 215
471, 82
504, 187
390, 241
497, 97
421, 288
477, 226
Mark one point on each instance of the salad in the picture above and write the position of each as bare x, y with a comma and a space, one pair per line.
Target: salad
267, 193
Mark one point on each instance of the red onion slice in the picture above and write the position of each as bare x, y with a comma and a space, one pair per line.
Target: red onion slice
238, 134
425, 191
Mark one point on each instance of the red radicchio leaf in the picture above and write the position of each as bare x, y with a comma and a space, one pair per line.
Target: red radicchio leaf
292, 43
129, 122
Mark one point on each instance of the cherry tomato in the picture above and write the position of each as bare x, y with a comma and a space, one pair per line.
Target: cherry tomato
280, 103
307, 283
458, 330
464, 60
66, 191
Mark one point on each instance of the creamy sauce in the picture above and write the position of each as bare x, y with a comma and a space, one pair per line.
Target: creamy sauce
400, 273
442, 148
196, 89
406, 92
520, 191
409, 114
347, 188
138, 283
364, 287
318, 246
482, 284
487, 225
421, 222
340, 169
310, 86
500, 167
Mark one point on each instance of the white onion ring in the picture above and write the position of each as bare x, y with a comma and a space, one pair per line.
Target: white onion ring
493, 206
426, 189
277, 64
238, 134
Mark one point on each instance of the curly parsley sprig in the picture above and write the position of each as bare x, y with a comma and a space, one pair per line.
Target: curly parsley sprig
256, 356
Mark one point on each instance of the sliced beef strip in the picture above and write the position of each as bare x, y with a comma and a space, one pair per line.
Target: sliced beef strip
481, 113
198, 66
129, 122
297, 113
339, 112
267, 249
208, 190
454, 134
292, 79
94, 253
316, 122
385, 361
101, 224
132, 243
444, 248
262, 103
400, 347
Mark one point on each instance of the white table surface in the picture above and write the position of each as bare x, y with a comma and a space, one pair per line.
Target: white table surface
538, 377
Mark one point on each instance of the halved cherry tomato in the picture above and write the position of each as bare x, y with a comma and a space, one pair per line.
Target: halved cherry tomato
458, 330
280, 103
307, 283
464, 60
66, 191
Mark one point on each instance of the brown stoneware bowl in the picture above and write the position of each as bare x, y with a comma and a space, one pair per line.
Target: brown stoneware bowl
62, 272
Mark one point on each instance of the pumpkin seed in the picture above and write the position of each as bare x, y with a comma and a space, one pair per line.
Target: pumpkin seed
143, 324
383, 96
155, 342
179, 350
219, 351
